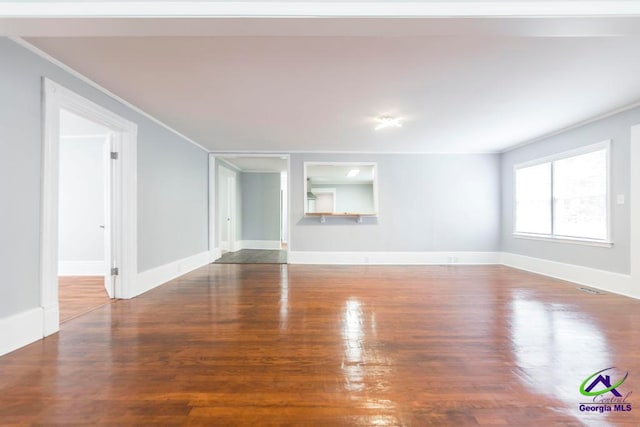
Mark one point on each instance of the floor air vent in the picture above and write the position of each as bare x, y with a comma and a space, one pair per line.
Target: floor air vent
591, 291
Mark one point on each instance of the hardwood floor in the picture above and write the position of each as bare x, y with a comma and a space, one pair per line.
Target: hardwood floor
80, 294
254, 256
253, 344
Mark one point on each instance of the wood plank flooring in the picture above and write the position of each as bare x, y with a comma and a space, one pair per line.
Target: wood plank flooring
254, 256
294, 345
80, 294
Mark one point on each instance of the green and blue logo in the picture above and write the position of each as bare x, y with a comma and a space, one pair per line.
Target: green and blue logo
605, 393
605, 381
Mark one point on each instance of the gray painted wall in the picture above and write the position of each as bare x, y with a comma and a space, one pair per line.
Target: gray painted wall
82, 197
351, 197
615, 259
426, 203
172, 180
260, 206
172, 198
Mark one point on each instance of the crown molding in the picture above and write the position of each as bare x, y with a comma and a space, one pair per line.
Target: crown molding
105, 91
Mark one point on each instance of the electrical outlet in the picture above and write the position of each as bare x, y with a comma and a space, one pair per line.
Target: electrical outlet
620, 199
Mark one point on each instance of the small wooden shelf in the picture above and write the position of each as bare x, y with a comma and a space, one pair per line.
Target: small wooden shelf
323, 215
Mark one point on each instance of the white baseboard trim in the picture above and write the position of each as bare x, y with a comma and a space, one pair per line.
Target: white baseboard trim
260, 244
600, 279
28, 326
20, 329
394, 258
51, 320
214, 254
150, 279
81, 268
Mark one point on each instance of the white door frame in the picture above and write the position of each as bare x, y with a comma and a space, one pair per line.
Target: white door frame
124, 195
107, 238
214, 249
225, 175
232, 213
214, 231
635, 211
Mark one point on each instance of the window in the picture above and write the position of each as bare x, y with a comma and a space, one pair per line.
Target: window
565, 197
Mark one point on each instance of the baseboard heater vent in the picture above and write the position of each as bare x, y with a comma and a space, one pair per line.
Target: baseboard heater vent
591, 291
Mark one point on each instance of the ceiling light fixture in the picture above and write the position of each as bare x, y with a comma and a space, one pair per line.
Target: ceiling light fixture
353, 172
388, 121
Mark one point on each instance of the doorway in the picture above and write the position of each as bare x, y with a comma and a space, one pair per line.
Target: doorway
252, 208
89, 219
325, 200
84, 203
227, 208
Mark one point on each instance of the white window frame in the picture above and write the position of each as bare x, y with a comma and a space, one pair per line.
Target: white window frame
607, 242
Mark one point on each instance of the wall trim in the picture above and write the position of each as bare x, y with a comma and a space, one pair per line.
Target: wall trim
634, 208
394, 258
28, 326
214, 254
22, 42
272, 153
51, 319
81, 268
157, 276
214, 250
260, 244
21, 329
572, 127
606, 280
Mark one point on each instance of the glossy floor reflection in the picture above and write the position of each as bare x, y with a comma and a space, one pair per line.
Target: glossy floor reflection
318, 345
78, 295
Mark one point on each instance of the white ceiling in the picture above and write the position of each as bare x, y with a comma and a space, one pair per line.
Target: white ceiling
290, 85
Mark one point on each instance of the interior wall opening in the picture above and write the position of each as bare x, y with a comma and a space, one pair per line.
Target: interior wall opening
84, 203
252, 209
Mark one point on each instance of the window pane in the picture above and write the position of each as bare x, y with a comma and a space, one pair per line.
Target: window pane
580, 195
533, 199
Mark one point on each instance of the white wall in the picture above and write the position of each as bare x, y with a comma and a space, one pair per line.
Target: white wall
81, 204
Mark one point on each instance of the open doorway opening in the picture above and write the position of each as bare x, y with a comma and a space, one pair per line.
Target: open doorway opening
284, 210
119, 266
252, 209
84, 204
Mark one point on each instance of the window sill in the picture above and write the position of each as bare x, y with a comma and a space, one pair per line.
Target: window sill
569, 240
